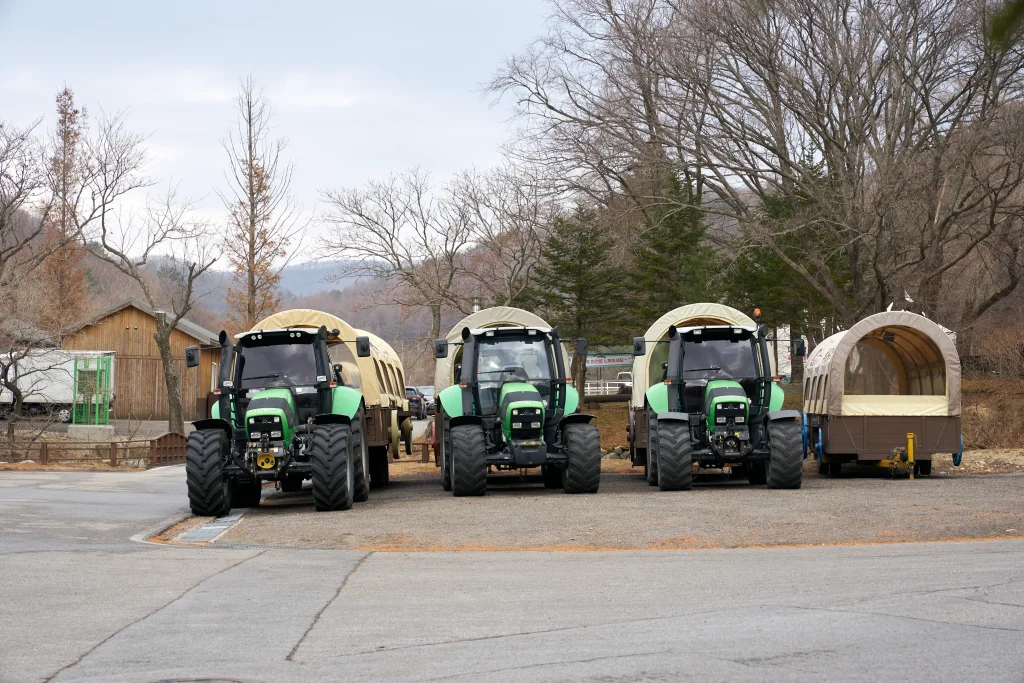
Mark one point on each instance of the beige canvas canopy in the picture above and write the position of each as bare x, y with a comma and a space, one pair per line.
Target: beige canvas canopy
497, 316
647, 368
892, 363
366, 374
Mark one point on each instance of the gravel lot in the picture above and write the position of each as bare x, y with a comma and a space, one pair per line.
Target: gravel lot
414, 514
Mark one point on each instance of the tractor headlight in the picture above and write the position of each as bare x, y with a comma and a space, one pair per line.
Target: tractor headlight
535, 425
255, 435
277, 418
740, 420
275, 435
517, 425
515, 412
720, 420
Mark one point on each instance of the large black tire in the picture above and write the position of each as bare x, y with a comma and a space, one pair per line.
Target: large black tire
445, 443
333, 476
246, 495
583, 472
651, 466
786, 465
379, 474
552, 476
757, 473
675, 456
361, 462
209, 494
291, 484
468, 461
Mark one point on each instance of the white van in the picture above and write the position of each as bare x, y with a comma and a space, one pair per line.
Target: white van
47, 380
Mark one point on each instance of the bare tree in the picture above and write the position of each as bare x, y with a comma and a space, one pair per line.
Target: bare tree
402, 232
508, 210
263, 219
130, 241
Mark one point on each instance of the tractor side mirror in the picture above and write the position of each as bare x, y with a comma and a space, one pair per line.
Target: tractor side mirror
337, 373
639, 346
363, 347
581, 347
192, 357
799, 347
440, 348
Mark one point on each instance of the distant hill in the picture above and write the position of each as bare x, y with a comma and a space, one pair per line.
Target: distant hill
302, 279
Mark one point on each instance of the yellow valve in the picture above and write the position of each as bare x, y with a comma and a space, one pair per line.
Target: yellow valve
265, 461
910, 453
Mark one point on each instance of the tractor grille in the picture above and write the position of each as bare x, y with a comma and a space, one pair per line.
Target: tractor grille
525, 423
262, 426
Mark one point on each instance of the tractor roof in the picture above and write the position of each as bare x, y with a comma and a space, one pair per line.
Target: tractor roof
717, 328
481, 331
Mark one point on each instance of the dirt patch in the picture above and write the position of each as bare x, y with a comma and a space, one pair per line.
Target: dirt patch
722, 511
66, 466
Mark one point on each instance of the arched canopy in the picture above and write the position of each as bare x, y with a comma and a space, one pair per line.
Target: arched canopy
496, 316
891, 363
647, 368
364, 374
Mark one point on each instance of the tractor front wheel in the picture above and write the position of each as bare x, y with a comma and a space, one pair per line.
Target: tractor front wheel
209, 493
583, 473
651, 464
786, 464
552, 476
675, 456
361, 466
468, 460
378, 458
333, 475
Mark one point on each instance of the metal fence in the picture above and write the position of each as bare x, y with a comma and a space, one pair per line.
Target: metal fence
602, 387
166, 449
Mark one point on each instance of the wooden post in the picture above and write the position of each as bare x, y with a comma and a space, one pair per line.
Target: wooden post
152, 454
44, 453
113, 454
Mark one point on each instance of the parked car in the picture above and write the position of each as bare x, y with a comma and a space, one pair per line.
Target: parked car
627, 382
417, 404
428, 398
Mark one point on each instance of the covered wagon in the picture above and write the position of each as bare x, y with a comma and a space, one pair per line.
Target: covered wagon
866, 389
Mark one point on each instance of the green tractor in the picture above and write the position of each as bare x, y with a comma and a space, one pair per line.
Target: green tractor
283, 415
717, 406
512, 408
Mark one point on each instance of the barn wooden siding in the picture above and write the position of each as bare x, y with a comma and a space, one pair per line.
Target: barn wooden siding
138, 374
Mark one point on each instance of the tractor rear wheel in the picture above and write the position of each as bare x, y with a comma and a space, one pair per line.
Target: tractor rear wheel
361, 466
552, 476
333, 475
583, 472
445, 444
757, 473
651, 464
209, 493
786, 464
379, 475
468, 460
675, 456
246, 495
291, 484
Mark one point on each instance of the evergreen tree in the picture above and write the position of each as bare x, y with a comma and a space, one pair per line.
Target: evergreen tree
671, 262
575, 285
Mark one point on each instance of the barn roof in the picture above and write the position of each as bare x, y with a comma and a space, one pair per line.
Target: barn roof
197, 332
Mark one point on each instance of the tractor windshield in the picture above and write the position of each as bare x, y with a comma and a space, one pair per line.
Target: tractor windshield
719, 359
519, 358
277, 363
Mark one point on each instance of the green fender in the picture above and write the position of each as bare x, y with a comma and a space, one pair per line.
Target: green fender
451, 400
657, 397
777, 398
572, 400
346, 401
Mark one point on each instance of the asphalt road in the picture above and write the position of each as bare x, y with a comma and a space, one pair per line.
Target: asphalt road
79, 602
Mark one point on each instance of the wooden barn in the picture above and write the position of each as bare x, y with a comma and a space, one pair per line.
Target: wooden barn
127, 329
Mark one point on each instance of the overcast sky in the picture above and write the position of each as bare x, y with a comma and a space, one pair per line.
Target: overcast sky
361, 89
